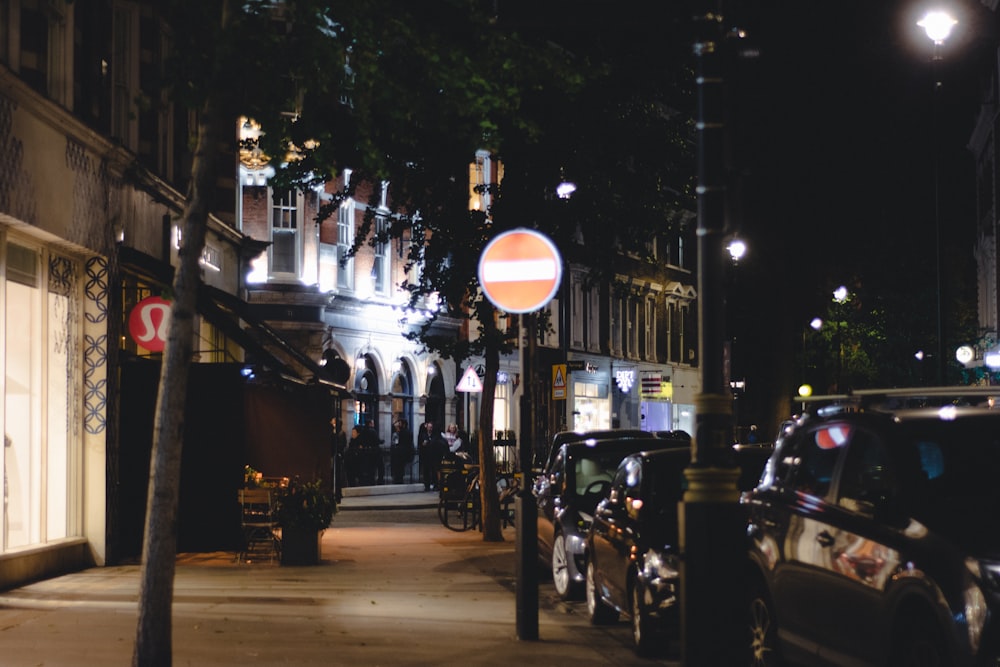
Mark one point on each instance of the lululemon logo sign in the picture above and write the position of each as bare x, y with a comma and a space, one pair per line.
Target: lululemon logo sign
148, 323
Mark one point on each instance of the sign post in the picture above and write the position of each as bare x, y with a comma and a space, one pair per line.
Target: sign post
519, 272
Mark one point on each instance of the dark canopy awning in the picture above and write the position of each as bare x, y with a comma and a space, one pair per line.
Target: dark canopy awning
228, 313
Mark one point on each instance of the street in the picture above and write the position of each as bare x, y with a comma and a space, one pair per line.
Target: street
394, 588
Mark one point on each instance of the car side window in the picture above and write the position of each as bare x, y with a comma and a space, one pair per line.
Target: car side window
868, 480
814, 457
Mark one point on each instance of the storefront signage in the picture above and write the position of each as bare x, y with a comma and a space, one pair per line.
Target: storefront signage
149, 323
656, 386
625, 379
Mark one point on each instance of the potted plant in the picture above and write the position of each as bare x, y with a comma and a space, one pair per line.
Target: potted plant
303, 511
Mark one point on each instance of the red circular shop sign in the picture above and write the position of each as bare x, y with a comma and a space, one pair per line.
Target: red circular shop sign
149, 322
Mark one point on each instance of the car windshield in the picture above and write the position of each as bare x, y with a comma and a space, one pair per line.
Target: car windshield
958, 481
593, 466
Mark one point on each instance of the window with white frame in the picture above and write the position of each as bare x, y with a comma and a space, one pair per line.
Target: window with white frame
632, 322
593, 320
578, 319
345, 239
380, 267
550, 336
124, 74
286, 216
674, 326
479, 178
650, 329
617, 313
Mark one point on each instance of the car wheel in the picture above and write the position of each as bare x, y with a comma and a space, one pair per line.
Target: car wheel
565, 586
918, 642
598, 612
645, 632
763, 633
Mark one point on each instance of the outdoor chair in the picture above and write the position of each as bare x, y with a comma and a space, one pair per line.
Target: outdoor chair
259, 526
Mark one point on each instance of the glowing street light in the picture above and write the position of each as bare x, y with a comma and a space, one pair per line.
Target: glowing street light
938, 25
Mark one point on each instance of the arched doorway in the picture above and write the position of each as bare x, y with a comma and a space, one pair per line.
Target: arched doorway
402, 394
434, 409
366, 393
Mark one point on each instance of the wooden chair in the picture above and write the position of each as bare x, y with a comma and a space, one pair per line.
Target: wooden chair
259, 525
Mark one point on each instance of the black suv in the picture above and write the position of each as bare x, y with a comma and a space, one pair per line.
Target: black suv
872, 534
632, 546
579, 476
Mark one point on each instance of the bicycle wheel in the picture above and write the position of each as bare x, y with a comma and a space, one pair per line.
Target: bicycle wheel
452, 514
471, 506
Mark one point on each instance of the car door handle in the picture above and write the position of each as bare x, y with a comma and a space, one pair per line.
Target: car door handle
825, 539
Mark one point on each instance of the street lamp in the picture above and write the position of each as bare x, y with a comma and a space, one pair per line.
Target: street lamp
840, 297
737, 249
938, 26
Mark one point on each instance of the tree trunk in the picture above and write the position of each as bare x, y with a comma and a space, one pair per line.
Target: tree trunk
159, 549
492, 530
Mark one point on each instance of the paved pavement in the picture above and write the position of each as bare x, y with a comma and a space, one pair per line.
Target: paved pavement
394, 588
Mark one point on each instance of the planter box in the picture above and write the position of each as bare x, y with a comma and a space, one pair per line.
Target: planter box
300, 546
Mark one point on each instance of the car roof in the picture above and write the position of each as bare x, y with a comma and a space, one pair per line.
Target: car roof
635, 444
574, 436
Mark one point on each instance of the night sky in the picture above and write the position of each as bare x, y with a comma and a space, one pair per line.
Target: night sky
833, 128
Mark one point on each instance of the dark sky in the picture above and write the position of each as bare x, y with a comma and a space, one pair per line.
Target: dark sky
833, 126
836, 124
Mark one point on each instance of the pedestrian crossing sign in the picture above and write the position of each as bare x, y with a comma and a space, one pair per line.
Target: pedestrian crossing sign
558, 382
470, 382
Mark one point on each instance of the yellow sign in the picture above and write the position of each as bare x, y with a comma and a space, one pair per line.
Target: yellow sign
558, 382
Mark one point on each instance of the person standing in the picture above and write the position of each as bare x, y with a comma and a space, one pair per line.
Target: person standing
400, 450
355, 457
338, 449
426, 452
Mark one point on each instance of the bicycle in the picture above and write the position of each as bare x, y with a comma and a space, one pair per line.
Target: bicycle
454, 481
466, 513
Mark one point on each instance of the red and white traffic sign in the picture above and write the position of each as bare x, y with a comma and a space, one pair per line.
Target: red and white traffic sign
520, 271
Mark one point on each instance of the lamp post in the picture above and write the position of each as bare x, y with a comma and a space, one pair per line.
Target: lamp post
938, 26
815, 324
737, 249
711, 531
840, 297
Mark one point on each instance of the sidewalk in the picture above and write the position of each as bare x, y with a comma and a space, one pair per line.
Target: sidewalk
394, 588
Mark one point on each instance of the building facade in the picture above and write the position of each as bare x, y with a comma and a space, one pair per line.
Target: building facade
91, 190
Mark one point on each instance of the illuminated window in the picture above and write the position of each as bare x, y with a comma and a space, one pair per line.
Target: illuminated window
285, 251
345, 239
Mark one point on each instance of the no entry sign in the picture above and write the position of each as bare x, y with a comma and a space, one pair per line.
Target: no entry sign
520, 271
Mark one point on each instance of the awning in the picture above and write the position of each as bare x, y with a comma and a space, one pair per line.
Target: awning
228, 313
228, 310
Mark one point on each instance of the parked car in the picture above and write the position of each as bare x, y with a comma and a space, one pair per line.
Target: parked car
632, 544
544, 462
872, 536
579, 476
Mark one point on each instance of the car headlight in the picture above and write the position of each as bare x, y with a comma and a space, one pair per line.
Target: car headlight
661, 565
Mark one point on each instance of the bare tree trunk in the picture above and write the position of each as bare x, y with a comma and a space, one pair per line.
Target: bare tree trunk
153, 643
490, 500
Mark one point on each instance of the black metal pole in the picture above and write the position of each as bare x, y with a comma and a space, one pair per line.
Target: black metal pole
526, 592
938, 250
712, 543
